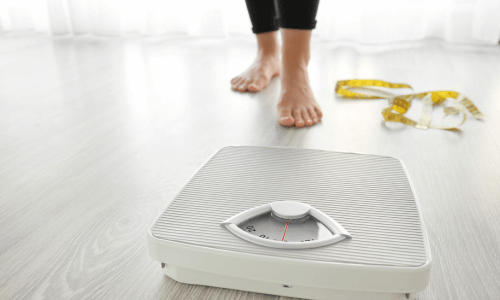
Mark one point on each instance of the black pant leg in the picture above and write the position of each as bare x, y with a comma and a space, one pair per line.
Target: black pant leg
262, 15
297, 14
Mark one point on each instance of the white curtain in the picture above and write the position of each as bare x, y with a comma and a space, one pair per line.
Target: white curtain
365, 21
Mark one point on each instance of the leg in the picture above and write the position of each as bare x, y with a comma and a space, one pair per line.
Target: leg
266, 65
297, 105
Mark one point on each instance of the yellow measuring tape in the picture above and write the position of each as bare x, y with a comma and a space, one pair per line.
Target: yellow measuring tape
399, 104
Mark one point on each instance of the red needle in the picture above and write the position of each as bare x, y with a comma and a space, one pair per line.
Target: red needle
285, 231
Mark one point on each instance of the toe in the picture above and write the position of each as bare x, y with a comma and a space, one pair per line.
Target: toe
233, 81
286, 119
318, 112
252, 87
243, 86
257, 85
297, 115
236, 84
307, 119
313, 115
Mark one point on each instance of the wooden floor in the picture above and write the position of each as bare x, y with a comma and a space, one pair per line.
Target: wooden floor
97, 135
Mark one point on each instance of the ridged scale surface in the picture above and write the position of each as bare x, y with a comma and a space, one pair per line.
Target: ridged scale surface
369, 195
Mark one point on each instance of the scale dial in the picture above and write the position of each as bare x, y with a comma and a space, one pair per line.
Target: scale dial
286, 225
270, 226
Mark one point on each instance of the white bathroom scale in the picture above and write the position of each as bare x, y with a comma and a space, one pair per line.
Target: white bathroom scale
300, 223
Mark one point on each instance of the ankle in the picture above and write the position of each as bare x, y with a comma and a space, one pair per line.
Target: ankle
296, 64
268, 54
294, 75
268, 44
294, 67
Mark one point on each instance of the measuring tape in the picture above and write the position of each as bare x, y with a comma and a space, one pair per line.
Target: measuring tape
399, 104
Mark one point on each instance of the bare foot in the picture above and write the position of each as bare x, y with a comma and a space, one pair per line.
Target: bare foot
265, 67
258, 76
297, 105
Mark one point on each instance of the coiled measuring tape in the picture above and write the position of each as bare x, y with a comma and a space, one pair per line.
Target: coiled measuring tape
399, 104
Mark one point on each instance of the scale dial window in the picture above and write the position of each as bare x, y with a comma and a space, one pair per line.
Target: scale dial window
269, 226
286, 225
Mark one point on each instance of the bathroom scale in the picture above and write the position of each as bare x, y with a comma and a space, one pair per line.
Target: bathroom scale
302, 223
